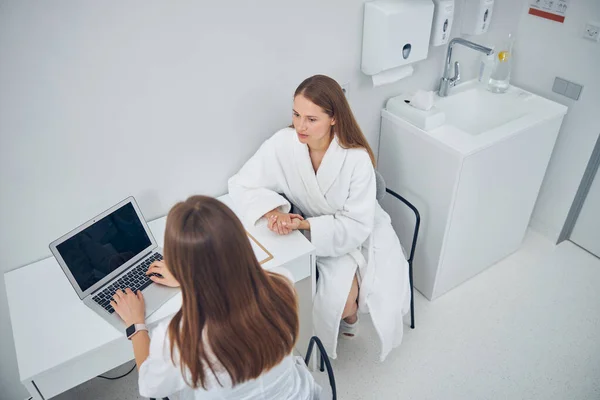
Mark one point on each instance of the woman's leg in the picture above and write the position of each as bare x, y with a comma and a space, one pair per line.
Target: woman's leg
336, 275
350, 314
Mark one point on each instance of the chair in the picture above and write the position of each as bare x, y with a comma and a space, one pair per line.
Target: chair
324, 362
382, 189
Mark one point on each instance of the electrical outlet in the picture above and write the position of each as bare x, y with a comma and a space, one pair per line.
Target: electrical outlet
592, 31
345, 88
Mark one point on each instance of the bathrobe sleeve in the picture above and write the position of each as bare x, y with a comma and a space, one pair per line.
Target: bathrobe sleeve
255, 188
348, 228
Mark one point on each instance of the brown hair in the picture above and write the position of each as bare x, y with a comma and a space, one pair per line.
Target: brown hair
328, 94
247, 318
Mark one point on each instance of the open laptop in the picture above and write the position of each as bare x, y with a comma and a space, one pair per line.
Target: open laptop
111, 252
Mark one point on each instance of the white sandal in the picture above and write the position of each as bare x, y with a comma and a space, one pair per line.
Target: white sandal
349, 330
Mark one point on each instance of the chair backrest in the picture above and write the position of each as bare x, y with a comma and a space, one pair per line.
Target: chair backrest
324, 361
380, 184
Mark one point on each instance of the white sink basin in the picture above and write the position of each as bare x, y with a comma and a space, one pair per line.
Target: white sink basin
474, 110
476, 118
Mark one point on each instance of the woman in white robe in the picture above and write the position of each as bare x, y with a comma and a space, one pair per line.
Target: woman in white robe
232, 338
325, 167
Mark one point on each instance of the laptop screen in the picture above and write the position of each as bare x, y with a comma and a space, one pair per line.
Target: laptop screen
104, 246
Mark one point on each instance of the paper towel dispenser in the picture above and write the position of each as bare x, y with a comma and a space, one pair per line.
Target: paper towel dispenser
395, 33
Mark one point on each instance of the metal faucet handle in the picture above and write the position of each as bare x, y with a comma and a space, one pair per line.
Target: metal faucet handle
456, 78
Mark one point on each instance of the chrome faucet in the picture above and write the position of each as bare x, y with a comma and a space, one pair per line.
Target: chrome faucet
447, 82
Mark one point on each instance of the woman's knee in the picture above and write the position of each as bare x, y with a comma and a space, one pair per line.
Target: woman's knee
350, 309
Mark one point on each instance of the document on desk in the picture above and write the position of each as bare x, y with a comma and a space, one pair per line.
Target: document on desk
262, 254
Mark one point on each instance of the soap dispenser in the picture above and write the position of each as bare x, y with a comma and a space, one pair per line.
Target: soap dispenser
442, 22
476, 17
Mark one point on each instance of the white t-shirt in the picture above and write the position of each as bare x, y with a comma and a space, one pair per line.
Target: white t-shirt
158, 377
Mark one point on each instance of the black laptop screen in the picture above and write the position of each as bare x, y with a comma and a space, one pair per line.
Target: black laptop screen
104, 246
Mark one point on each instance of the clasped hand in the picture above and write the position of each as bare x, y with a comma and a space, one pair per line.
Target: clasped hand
283, 223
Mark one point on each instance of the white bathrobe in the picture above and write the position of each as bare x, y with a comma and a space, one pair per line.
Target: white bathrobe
350, 231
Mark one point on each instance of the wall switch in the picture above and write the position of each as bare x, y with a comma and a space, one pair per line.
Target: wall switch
567, 88
592, 31
573, 91
560, 86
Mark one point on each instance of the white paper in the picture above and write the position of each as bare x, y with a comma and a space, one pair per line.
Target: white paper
422, 100
392, 75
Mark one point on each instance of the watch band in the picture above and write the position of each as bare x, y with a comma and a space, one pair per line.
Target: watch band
133, 329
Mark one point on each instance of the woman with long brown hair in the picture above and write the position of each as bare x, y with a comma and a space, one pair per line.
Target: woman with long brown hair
237, 326
324, 165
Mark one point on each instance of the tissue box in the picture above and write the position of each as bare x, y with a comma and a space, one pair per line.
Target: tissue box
426, 120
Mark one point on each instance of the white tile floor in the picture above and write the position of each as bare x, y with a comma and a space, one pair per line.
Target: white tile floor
527, 328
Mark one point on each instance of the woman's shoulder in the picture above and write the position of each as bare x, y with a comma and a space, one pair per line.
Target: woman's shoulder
359, 157
284, 134
282, 137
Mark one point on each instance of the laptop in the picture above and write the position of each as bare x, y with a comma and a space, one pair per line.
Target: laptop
111, 252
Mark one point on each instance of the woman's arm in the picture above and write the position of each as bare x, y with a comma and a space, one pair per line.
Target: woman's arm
304, 225
255, 188
158, 377
130, 307
141, 347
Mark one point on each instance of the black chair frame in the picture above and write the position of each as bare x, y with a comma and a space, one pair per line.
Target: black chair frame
324, 362
411, 254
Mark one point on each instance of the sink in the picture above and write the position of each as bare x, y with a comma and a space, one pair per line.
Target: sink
475, 178
474, 110
475, 118
472, 118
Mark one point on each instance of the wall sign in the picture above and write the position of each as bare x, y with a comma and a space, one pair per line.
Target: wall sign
550, 9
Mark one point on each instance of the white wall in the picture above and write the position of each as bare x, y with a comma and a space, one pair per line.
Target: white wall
544, 50
160, 100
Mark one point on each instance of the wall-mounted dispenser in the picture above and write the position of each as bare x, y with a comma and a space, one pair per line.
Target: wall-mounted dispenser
442, 22
476, 16
395, 33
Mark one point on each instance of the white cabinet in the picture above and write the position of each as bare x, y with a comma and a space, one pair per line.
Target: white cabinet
475, 201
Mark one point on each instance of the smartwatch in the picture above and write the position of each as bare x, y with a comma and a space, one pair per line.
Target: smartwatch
133, 329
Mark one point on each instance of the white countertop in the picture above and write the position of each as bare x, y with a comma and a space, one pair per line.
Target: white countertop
536, 109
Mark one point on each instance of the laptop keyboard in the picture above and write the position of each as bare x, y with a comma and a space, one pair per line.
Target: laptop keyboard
135, 279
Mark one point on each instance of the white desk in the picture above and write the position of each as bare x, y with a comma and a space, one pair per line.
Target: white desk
60, 343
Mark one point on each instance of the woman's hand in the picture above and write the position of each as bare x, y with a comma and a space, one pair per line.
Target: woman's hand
159, 273
129, 306
283, 223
